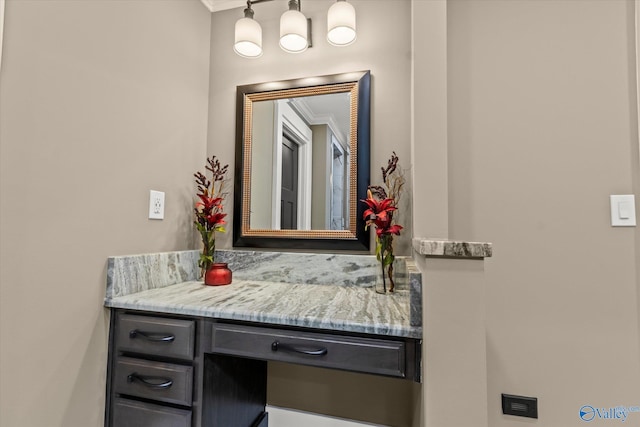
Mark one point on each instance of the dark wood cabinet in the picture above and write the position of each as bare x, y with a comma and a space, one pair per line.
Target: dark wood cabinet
235, 391
184, 371
153, 378
163, 382
356, 354
161, 374
131, 413
156, 336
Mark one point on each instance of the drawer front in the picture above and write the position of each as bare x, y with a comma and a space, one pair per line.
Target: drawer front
375, 356
164, 382
129, 413
156, 336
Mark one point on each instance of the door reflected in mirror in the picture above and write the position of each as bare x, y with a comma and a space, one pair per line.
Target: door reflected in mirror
302, 163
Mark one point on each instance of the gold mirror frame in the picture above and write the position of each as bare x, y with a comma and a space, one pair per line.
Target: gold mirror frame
355, 237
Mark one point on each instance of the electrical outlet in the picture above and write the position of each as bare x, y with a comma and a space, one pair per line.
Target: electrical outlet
156, 204
520, 406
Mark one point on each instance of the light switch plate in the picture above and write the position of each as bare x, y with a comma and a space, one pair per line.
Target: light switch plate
623, 210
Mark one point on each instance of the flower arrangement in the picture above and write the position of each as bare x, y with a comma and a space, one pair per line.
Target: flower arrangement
209, 209
382, 202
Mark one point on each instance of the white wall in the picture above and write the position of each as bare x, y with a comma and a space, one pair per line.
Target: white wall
100, 101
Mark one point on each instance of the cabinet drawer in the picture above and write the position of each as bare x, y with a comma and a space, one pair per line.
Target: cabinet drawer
156, 336
375, 356
164, 382
129, 413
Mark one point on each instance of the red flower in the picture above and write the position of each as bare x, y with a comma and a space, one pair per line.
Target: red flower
380, 214
208, 203
395, 229
378, 209
216, 219
208, 209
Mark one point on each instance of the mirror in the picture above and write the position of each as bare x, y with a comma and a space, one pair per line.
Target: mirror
302, 163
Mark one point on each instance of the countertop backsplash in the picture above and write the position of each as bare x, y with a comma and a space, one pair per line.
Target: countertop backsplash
131, 274
134, 273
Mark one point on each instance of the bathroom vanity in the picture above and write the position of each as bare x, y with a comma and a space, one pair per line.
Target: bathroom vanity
188, 355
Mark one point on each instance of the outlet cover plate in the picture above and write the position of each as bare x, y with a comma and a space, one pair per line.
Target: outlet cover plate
156, 204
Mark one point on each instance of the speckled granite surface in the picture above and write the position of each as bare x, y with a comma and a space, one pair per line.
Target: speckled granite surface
273, 287
134, 273
452, 248
341, 308
308, 268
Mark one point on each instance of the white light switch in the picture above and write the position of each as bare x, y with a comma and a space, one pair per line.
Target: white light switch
623, 210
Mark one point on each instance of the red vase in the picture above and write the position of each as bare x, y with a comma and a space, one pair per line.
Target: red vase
218, 274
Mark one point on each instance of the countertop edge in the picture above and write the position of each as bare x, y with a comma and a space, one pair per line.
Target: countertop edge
452, 248
414, 332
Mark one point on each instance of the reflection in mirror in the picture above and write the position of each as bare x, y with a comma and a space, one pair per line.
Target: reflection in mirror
302, 163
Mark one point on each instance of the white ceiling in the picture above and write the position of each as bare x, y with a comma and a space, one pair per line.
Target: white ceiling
332, 109
217, 5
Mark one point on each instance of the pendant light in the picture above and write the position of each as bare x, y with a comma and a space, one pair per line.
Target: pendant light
293, 29
248, 35
341, 24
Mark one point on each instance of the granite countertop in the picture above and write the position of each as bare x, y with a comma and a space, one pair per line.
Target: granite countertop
312, 290
452, 248
167, 283
340, 308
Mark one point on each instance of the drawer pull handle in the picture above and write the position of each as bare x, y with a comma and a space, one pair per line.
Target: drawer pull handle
157, 337
151, 382
275, 346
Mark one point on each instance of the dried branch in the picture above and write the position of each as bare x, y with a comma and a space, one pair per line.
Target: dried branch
378, 191
392, 163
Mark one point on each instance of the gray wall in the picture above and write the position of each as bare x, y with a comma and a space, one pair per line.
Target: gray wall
388, 58
100, 101
321, 198
542, 129
104, 100
262, 149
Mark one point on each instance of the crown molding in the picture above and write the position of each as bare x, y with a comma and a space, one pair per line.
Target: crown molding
218, 5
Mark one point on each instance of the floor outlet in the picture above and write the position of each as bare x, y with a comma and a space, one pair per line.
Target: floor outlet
156, 204
520, 406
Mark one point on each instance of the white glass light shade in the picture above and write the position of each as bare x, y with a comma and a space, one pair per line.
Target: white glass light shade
341, 24
248, 40
293, 31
